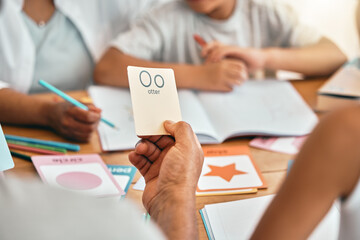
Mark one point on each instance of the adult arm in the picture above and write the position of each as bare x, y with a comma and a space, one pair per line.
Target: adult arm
328, 167
171, 166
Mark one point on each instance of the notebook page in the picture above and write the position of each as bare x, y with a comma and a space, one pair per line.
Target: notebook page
238, 219
267, 107
116, 107
193, 113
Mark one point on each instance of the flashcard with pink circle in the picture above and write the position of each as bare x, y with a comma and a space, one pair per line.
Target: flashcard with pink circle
81, 173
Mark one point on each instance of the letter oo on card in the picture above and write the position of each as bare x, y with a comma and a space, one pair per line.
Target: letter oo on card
154, 99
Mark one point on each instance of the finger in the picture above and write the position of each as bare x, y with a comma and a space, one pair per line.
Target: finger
94, 109
151, 138
199, 40
140, 162
74, 125
165, 141
161, 141
182, 132
208, 48
84, 116
148, 150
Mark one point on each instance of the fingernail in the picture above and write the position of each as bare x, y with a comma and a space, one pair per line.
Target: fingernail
169, 122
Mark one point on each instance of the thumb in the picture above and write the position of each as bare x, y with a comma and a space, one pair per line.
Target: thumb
181, 131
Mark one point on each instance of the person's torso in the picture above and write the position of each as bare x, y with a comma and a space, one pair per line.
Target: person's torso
62, 58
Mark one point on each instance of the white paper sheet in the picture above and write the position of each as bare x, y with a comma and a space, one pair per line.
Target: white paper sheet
238, 219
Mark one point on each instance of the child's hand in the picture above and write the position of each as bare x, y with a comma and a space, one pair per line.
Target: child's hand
223, 75
253, 58
74, 123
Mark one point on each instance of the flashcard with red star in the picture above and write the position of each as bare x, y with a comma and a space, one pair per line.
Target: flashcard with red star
229, 169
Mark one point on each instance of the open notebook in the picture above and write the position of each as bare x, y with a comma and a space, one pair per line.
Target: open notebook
238, 219
270, 108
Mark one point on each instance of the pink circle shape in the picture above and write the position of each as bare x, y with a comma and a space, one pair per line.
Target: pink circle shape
78, 180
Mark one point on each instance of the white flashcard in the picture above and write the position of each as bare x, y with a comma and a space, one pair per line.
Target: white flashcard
154, 99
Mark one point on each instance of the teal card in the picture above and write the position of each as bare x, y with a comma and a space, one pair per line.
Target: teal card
6, 161
123, 175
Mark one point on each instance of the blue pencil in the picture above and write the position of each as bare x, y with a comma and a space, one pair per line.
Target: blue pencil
71, 100
68, 146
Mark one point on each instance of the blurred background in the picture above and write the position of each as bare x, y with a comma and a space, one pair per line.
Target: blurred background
334, 18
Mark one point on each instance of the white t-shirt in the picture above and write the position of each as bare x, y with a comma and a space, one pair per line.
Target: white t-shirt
166, 33
350, 216
35, 211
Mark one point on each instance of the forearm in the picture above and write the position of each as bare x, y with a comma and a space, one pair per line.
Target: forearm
176, 215
327, 168
320, 59
18, 108
112, 70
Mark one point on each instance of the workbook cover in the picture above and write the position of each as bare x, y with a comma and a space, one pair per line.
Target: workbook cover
85, 174
123, 175
229, 170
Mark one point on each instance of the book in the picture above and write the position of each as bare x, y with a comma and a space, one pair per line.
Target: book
123, 175
6, 161
229, 170
341, 89
86, 174
238, 219
270, 108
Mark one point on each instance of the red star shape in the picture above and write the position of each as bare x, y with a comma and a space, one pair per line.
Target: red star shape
226, 172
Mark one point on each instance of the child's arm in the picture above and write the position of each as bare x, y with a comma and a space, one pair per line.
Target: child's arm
320, 59
69, 121
219, 76
328, 167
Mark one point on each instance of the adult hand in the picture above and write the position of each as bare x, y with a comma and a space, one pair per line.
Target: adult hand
72, 122
253, 58
171, 165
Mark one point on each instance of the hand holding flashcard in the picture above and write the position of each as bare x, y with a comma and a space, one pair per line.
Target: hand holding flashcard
154, 99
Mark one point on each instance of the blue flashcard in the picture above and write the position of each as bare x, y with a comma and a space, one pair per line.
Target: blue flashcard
6, 161
123, 175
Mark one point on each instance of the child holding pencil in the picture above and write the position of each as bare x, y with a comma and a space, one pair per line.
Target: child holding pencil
165, 38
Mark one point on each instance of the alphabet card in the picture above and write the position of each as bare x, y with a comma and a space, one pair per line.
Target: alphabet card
229, 170
85, 174
154, 99
123, 175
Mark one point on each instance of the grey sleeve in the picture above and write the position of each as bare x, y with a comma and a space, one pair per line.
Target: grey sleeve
35, 211
144, 40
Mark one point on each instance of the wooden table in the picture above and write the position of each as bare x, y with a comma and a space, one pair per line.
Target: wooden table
272, 165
